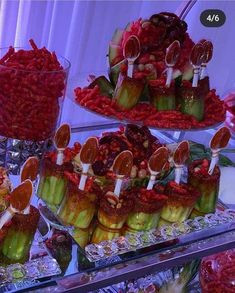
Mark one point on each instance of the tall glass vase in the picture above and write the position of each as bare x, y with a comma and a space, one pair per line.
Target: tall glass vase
30, 109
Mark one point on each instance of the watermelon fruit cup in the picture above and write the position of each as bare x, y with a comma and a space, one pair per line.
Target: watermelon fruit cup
191, 100
112, 214
79, 206
161, 97
181, 200
113, 210
16, 244
208, 185
147, 209
52, 185
128, 91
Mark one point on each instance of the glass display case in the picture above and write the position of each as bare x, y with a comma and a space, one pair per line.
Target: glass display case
162, 259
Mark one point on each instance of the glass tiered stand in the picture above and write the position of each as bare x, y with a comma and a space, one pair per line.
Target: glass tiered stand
127, 257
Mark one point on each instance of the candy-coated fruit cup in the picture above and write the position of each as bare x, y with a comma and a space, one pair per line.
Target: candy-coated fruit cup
162, 98
114, 221
102, 233
143, 221
208, 185
81, 236
78, 207
180, 203
191, 101
52, 185
16, 245
114, 216
147, 209
128, 92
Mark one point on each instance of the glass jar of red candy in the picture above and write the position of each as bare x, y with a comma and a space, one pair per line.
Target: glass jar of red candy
33, 84
217, 273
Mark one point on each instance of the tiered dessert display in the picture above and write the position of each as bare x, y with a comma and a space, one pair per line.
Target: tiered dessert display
157, 77
123, 193
33, 82
108, 196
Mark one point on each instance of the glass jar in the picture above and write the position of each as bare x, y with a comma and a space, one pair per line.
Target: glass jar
208, 185
78, 206
181, 200
30, 106
52, 185
16, 244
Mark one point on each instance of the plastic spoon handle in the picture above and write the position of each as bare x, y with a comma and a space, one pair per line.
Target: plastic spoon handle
214, 161
118, 187
195, 76
169, 76
152, 181
130, 68
178, 173
82, 183
60, 157
203, 71
7, 216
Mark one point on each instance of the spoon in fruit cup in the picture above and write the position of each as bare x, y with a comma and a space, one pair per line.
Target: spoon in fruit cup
19, 201
219, 141
171, 58
131, 52
88, 155
156, 164
29, 171
61, 141
180, 156
122, 166
207, 56
196, 59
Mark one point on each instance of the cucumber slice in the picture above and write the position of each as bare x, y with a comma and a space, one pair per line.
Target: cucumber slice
106, 88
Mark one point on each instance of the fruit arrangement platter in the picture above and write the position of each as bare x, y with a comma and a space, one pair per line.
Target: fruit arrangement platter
157, 78
126, 184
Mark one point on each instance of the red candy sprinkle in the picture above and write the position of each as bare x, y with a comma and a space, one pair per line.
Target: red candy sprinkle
146, 113
31, 84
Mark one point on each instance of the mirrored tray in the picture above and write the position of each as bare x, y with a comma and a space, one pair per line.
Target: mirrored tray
140, 123
134, 245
